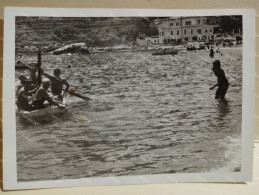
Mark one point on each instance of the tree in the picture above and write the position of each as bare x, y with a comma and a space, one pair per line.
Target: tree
228, 23
146, 27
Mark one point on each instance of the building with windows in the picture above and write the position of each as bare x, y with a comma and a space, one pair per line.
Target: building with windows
184, 29
143, 40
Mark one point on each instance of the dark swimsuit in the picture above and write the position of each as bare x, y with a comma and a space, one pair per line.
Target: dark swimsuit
38, 104
222, 84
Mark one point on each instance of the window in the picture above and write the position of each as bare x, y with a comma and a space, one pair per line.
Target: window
198, 21
206, 31
210, 30
199, 31
171, 24
191, 31
162, 33
184, 32
177, 23
186, 38
188, 23
172, 32
178, 32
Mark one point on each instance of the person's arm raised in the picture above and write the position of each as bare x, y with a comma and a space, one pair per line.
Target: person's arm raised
47, 75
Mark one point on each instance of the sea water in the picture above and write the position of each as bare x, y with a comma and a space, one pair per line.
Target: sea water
147, 115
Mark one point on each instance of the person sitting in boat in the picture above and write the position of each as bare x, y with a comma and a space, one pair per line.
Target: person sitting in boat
19, 84
19, 58
23, 97
57, 84
42, 95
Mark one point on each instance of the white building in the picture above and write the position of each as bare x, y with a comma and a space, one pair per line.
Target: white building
147, 41
183, 29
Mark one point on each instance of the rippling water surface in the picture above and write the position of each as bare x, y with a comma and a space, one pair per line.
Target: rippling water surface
148, 115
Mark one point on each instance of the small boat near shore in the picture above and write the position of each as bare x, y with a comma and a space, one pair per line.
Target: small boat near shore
173, 52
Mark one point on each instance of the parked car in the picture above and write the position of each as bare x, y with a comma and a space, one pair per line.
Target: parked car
229, 39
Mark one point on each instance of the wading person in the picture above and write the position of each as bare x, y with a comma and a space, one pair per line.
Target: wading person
222, 80
23, 99
57, 84
42, 95
211, 52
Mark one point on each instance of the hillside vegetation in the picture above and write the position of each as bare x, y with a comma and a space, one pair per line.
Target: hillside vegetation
45, 31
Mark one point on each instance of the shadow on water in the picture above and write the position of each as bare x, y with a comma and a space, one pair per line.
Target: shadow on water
223, 108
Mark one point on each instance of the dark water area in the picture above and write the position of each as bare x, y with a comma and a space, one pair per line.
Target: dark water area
147, 115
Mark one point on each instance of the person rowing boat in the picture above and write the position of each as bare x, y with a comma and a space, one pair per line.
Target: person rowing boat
42, 95
57, 84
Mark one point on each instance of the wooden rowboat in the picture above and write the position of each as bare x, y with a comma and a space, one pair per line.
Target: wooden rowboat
51, 110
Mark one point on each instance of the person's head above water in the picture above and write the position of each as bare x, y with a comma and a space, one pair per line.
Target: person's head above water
216, 65
45, 83
56, 72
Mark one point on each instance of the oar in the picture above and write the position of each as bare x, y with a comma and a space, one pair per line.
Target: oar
39, 67
28, 66
73, 93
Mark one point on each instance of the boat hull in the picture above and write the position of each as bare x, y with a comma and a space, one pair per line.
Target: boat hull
43, 112
165, 53
51, 110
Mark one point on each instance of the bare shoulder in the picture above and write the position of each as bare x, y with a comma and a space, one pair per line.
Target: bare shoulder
21, 91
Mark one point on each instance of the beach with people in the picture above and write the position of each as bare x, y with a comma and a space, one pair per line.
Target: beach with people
147, 114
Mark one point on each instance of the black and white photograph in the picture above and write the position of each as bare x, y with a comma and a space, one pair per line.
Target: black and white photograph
116, 96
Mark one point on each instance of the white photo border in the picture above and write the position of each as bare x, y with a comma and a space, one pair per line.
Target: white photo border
9, 120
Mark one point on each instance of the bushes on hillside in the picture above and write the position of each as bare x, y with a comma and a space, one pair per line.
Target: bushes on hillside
64, 33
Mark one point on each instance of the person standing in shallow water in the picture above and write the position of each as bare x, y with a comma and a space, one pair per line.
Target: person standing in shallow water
211, 52
222, 80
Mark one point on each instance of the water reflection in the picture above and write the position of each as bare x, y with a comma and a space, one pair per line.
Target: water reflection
224, 108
